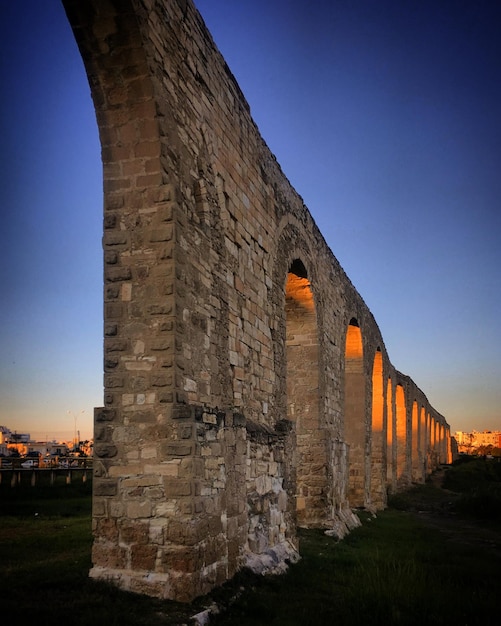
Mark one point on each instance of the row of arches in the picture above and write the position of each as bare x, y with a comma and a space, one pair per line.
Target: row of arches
393, 436
216, 333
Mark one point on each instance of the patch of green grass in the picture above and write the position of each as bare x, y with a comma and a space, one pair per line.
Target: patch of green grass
45, 548
60, 500
392, 570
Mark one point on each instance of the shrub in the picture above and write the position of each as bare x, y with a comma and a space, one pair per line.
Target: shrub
479, 483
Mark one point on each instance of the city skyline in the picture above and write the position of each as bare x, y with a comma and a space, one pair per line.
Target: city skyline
383, 117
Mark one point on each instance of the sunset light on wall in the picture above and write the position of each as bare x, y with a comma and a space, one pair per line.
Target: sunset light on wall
302, 385
378, 471
355, 426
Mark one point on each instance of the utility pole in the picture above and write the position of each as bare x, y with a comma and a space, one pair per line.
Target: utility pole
75, 415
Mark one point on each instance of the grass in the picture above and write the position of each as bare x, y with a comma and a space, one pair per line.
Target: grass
45, 547
395, 569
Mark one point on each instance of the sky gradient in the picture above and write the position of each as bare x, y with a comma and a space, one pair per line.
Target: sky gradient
383, 115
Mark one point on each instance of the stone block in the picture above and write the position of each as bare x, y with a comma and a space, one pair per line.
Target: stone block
134, 533
143, 557
177, 488
139, 509
181, 559
105, 450
109, 556
104, 415
104, 487
114, 274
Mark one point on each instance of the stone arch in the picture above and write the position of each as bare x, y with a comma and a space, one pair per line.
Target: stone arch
298, 394
390, 437
416, 473
291, 252
196, 463
378, 443
433, 443
427, 449
442, 444
355, 413
302, 350
400, 433
303, 400
422, 442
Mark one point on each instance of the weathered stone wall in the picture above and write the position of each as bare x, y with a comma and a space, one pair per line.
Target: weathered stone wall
247, 385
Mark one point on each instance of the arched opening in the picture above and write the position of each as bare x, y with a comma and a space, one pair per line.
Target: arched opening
378, 467
390, 434
448, 450
415, 442
51, 198
303, 393
422, 442
441, 443
355, 413
433, 443
401, 431
428, 444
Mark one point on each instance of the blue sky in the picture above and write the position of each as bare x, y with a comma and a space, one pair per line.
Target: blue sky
384, 115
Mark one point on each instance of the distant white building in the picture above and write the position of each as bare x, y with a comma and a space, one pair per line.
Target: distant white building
52, 448
23, 444
468, 442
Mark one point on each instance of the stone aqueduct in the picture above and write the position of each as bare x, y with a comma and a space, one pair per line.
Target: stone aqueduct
247, 388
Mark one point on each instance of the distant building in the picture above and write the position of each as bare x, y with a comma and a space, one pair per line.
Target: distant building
12, 442
4, 437
48, 448
87, 447
16, 437
22, 444
469, 442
